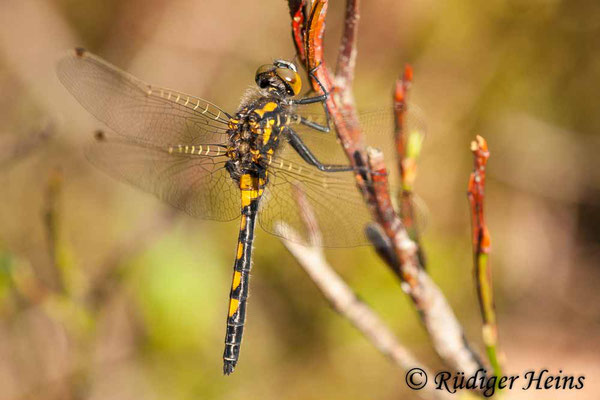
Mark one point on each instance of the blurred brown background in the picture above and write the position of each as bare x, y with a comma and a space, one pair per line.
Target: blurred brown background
105, 293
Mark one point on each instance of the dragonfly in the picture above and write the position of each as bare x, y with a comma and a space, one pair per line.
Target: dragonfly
223, 166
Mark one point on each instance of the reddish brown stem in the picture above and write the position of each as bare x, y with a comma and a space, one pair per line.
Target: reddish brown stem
372, 180
407, 163
400, 108
476, 194
481, 249
340, 102
346, 61
299, 29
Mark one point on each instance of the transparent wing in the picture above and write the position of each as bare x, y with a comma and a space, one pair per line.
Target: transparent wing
171, 144
338, 205
377, 125
138, 110
334, 197
194, 181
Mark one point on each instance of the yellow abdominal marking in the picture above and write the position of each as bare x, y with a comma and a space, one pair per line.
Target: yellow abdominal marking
247, 182
233, 306
243, 224
240, 252
247, 198
270, 106
251, 188
237, 278
249, 194
248, 188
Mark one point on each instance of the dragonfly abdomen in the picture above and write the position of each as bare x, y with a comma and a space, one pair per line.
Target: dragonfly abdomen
251, 189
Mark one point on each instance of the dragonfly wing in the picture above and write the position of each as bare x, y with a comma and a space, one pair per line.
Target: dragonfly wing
376, 124
338, 206
196, 183
138, 110
171, 144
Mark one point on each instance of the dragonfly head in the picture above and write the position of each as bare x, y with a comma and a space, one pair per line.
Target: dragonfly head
280, 77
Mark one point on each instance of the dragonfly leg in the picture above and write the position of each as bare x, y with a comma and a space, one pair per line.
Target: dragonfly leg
316, 125
312, 74
316, 99
321, 98
307, 155
310, 100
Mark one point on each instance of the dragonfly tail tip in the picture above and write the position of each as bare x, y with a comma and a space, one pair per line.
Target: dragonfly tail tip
228, 367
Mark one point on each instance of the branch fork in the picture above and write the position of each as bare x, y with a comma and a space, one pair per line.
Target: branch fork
393, 234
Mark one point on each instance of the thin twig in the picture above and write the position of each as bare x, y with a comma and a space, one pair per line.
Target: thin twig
481, 250
346, 61
408, 148
437, 315
372, 180
342, 298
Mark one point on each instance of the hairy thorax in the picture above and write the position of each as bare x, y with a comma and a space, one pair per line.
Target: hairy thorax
255, 134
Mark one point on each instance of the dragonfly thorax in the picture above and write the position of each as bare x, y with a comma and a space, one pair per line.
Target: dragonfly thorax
254, 135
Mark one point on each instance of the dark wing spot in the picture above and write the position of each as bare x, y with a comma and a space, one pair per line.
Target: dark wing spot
99, 135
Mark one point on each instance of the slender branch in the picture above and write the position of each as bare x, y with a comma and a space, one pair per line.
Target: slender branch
481, 250
437, 315
408, 149
400, 108
297, 12
340, 102
342, 298
372, 180
346, 61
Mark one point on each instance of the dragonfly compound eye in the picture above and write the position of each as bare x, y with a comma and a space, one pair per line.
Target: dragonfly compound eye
263, 73
291, 79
